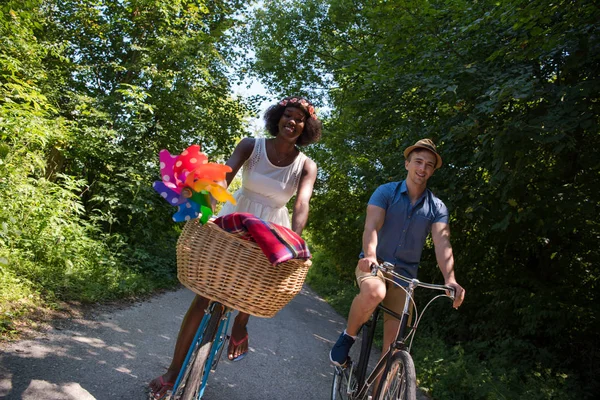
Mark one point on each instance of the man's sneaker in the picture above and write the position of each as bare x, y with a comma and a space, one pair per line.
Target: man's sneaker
339, 354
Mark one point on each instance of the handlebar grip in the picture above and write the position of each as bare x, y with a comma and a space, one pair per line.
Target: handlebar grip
452, 291
374, 269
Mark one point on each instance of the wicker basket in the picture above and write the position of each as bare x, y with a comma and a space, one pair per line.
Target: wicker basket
220, 266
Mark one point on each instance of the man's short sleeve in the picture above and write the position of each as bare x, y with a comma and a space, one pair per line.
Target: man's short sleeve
382, 196
441, 212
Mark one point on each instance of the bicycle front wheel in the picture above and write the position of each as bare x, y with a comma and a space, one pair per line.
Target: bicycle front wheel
189, 388
344, 384
400, 379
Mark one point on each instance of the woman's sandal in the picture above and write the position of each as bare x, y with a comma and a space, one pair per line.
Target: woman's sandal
236, 344
163, 391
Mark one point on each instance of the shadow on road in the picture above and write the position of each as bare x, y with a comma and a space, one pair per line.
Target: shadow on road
113, 354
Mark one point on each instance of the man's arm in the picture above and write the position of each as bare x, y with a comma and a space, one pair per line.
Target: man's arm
440, 233
373, 223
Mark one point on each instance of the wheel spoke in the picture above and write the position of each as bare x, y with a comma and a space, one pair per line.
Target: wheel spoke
344, 384
399, 381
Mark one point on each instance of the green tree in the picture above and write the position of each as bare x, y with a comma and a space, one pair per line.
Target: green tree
90, 92
509, 92
149, 75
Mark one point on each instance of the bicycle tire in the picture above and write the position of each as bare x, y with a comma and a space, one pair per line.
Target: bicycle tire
192, 378
339, 387
400, 379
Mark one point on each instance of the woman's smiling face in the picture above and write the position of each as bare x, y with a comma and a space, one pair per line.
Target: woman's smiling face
291, 123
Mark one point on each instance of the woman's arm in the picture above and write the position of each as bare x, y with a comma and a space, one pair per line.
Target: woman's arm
303, 195
240, 154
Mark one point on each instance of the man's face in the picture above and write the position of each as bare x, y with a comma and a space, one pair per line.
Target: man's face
420, 166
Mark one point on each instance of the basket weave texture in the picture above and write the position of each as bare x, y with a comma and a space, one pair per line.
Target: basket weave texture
220, 266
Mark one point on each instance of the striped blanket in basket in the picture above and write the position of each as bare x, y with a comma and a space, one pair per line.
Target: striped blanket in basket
279, 244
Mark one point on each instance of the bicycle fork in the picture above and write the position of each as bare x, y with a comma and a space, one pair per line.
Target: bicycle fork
216, 351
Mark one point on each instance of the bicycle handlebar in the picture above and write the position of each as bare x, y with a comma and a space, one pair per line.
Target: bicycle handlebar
389, 268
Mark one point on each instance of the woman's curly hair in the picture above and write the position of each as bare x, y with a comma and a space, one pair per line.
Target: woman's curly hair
312, 126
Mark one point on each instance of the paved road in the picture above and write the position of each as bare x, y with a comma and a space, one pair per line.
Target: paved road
112, 354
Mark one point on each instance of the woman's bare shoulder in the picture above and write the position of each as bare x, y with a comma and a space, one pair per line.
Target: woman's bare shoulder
245, 146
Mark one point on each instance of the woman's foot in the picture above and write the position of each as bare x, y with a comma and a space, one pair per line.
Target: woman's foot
238, 343
160, 385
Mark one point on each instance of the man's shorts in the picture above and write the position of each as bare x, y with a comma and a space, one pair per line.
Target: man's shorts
394, 298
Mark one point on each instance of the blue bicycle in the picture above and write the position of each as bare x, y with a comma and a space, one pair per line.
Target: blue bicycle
204, 354
235, 275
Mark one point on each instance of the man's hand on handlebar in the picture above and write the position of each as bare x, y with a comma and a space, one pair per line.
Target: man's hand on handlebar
365, 263
459, 294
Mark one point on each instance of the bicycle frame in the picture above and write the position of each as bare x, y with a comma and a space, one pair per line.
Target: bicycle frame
216, 350
364, 383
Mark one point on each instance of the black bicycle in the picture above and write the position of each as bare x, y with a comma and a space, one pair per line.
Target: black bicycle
396, 367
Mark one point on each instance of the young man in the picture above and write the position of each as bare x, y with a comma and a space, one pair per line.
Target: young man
400, 215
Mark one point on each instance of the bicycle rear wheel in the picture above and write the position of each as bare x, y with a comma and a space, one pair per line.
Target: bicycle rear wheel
400, 380
344, 381
189, 387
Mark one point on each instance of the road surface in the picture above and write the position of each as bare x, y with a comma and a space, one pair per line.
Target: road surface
114, 352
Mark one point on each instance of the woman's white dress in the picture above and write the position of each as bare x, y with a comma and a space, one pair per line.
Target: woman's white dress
266, 188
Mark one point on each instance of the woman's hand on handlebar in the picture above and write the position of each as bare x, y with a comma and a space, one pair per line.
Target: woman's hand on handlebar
364, 264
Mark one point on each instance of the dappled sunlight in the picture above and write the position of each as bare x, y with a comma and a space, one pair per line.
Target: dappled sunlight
101, 324
5, 382
66, 391
94, 342
313, 311
95, 359
322, 339
125, 370
270, 351
25, 350
313, 295
66, 362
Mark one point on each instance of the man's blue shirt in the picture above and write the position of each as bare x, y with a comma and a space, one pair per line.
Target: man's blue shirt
402, 237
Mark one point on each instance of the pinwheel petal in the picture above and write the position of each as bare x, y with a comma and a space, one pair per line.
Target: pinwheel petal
206, 214
190, 159
201, 198
212, 171
167, 193
167, 162
200, 184
221, 194
186, 211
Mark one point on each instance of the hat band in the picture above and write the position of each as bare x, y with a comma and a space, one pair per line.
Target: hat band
427, 146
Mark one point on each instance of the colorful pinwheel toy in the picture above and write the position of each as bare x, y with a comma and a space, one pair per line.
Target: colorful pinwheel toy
187, 181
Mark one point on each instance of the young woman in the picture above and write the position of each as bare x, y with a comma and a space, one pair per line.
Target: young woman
274, 170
